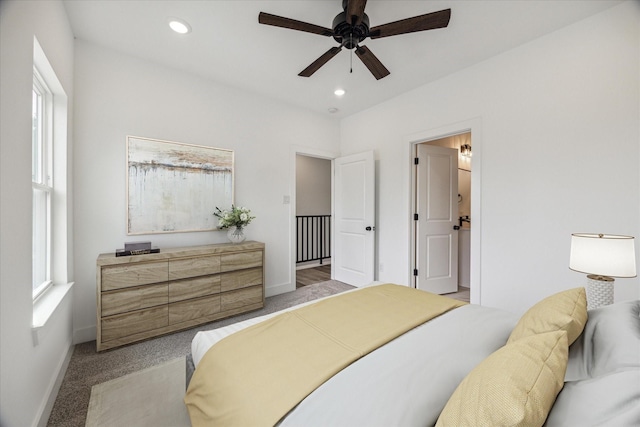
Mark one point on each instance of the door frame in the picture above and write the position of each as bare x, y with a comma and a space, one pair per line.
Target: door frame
293, 152
474, 126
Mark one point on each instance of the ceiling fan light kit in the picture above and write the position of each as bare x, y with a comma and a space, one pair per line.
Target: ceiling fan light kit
351, 27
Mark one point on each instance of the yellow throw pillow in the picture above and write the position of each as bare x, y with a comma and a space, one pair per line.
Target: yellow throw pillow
515, 386
564, 311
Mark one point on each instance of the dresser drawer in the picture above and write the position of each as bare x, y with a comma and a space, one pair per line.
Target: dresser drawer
126, 276
193, 288
193, 309
134, 299
240, 298
241, 260
240, 279
192, 267
122, 325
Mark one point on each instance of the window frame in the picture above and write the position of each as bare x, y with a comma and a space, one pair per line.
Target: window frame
42, 185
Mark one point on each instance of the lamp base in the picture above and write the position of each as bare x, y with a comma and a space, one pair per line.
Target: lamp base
599, 291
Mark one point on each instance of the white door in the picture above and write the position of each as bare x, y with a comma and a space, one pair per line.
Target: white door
354, 203
437, 203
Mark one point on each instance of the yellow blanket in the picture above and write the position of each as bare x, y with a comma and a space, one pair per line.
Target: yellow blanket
257, 375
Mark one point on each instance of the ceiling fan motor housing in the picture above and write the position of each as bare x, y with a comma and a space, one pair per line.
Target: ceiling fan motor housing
350, 35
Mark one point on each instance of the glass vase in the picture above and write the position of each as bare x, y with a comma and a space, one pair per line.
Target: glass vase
236, 234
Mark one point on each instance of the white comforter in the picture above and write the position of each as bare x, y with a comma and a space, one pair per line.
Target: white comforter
404, 383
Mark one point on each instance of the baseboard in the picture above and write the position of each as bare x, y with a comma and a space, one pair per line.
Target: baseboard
313, 264
282, 288
84, 335
54, 388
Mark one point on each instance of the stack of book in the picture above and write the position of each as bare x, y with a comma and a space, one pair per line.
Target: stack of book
137, 248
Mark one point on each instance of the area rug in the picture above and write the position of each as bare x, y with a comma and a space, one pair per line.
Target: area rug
150, 397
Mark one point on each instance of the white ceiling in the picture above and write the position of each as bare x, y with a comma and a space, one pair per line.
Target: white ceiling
228, 45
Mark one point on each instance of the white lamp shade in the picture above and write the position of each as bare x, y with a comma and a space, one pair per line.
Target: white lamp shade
603, 254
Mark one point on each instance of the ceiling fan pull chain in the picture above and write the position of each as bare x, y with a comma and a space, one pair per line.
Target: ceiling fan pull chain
351, 57
351, 61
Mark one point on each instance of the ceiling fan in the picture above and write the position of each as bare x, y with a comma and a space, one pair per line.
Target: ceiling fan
351, 27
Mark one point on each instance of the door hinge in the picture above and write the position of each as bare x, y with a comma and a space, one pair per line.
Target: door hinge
415, 271
416, 161
415, 217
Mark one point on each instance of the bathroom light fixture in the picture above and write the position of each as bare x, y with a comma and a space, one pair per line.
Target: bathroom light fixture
602, 257
179, 26
339, 92
465, 150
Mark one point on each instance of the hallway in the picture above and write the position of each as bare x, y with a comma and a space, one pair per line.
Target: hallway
309, 276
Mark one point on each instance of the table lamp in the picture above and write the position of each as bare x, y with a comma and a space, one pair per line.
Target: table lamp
602, 257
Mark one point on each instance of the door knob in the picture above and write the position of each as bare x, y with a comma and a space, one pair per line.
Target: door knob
369, 228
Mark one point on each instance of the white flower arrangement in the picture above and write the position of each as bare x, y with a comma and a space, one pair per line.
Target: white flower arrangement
238, 217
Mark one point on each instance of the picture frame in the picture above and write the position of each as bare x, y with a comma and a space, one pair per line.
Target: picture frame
174, 187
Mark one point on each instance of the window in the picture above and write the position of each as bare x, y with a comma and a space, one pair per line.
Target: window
51, 228
41, 183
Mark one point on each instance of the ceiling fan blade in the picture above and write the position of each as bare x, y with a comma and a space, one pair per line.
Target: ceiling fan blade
315, 65
355, 10
372, 62
279, 21
429, 21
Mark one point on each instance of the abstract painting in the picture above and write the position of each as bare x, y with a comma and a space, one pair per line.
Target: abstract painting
174, 187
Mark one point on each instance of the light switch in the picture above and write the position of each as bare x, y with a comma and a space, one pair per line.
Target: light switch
286, 200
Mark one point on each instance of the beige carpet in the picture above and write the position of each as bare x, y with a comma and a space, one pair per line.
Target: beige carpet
150, 397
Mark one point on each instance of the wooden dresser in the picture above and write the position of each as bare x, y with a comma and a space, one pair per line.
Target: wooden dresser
144, 296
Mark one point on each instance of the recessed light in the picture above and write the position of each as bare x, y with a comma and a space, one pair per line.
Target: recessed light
339, 92
179, 26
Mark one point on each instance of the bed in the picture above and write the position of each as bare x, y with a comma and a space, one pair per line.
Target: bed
469, 365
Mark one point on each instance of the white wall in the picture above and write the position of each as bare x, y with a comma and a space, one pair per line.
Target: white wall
559, 154
118, 95
28, 372
313, 186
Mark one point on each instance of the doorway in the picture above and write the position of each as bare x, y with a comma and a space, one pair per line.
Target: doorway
313, 207
352, 194
442, 223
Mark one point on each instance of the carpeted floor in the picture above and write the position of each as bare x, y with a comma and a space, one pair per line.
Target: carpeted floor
88, 368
